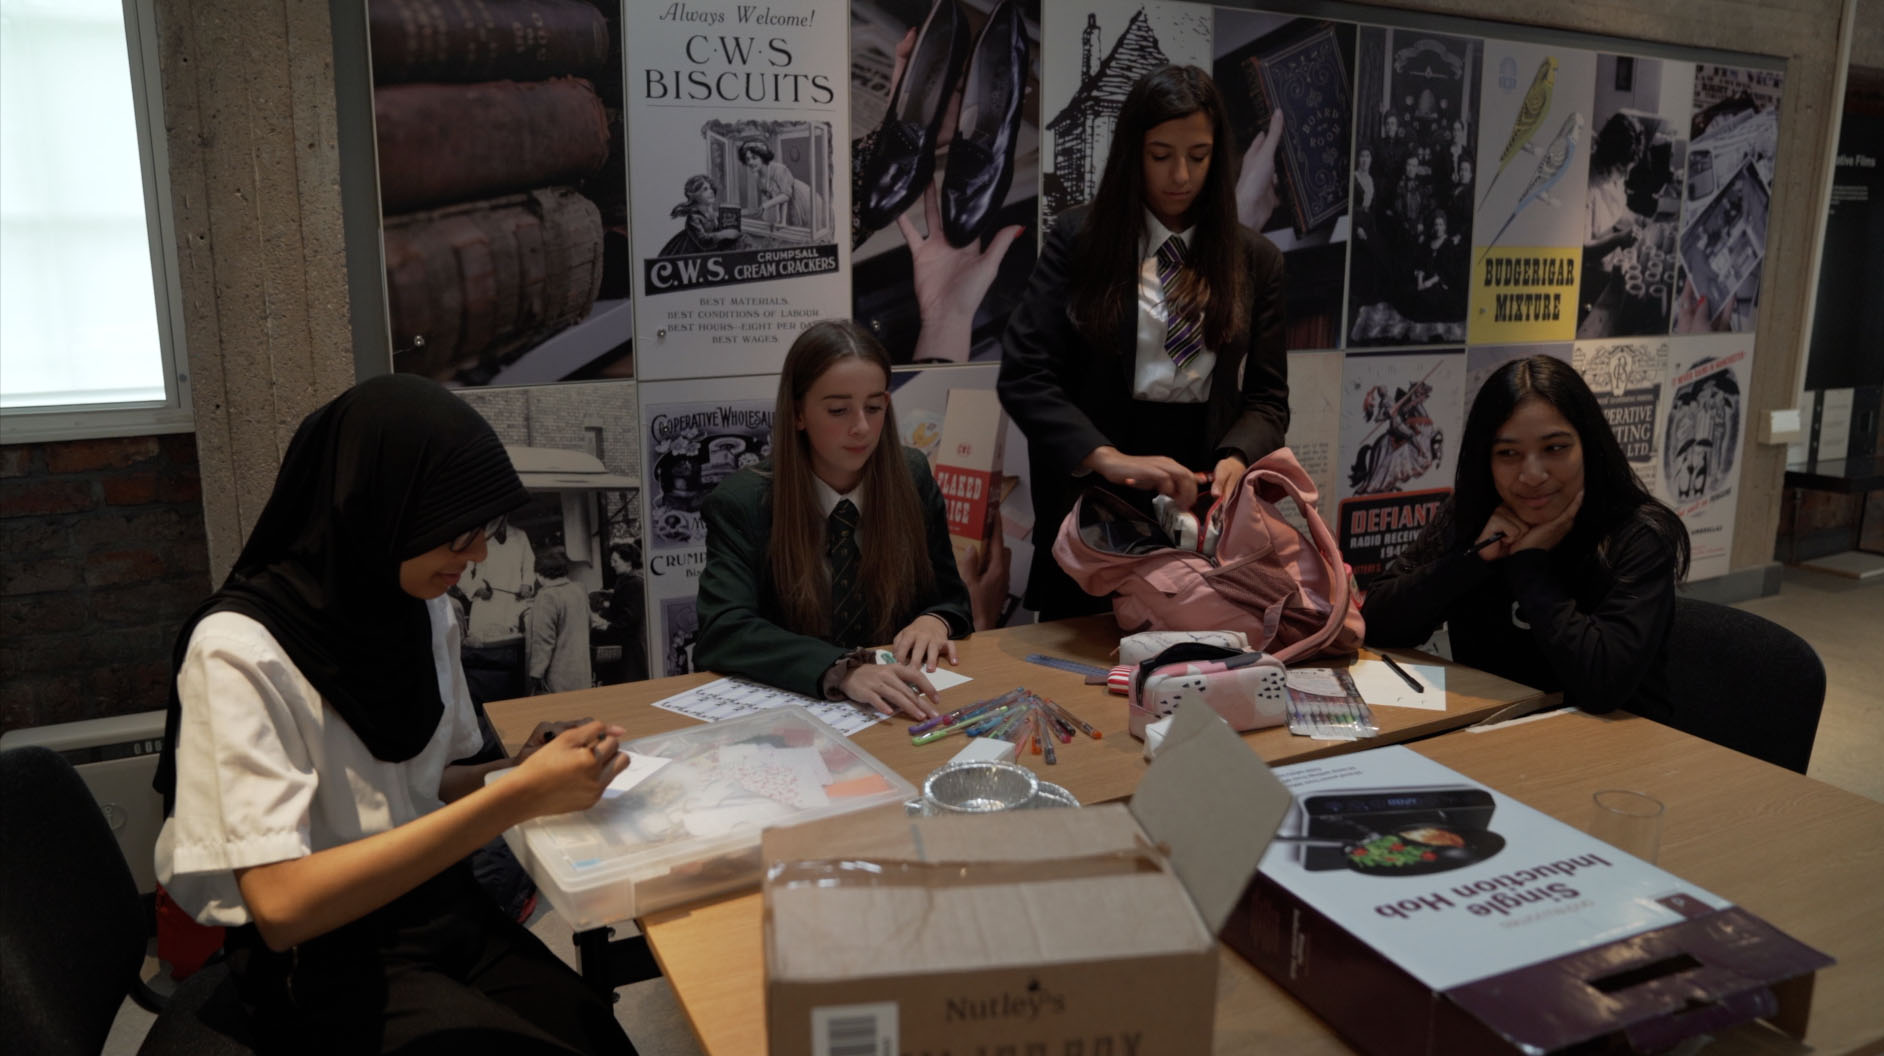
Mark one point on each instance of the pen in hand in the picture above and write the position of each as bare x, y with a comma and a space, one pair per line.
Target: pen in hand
1402, 672
1483, 543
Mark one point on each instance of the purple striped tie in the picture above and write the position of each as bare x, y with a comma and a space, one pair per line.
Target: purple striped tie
1184, 331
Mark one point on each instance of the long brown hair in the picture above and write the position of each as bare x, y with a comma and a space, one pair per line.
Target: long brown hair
895, 569
1107, 258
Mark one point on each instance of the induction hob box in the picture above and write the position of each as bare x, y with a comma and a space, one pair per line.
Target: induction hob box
1417, 911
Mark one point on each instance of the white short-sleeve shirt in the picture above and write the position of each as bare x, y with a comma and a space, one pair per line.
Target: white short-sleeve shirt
266, 772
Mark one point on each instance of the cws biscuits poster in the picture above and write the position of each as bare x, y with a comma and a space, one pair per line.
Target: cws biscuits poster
1401, 416
740, 185
1533, 165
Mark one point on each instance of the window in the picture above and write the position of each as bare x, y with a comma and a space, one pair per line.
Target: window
88, 345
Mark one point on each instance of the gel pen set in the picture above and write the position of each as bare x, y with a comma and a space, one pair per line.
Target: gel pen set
1021, 717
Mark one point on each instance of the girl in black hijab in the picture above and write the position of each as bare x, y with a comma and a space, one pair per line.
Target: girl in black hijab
315, 808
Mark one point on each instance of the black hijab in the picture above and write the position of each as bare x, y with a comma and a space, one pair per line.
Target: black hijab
389, 470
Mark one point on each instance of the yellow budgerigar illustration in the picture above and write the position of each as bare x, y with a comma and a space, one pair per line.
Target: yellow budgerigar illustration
1530, 115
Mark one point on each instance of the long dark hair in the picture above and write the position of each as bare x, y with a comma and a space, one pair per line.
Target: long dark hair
1108, 244
895, 569
1612, 493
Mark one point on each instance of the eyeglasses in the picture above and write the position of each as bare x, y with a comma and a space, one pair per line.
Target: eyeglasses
466, 540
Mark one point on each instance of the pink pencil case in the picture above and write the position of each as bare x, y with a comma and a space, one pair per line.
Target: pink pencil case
1249, 689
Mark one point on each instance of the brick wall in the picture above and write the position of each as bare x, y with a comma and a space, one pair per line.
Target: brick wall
102, 555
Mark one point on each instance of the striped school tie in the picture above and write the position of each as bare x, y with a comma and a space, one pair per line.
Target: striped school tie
1184, 330
847, 596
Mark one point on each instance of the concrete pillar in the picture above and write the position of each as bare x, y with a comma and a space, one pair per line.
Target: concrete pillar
254, 173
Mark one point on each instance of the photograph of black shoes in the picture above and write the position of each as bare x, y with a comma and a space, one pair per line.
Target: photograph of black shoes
904, 159
981, 156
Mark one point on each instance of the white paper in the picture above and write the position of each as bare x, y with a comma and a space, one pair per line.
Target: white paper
942, 678
640, 768
729, 698
1379, 685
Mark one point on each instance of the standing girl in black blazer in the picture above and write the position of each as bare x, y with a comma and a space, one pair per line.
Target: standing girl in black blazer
1148, 350
836, 542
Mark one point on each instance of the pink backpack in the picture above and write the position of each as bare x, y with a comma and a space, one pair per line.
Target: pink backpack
1291, 594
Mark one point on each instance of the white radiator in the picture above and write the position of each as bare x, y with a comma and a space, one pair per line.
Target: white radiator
117, 758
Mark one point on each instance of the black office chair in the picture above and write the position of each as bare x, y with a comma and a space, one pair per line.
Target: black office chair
1744, 682
72, 929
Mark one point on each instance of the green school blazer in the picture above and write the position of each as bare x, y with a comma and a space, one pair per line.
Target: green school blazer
740, 633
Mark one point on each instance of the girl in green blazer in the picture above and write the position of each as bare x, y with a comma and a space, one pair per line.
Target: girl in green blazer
836, 543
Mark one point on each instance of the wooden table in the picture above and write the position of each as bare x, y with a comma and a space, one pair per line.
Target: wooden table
1813, 868
1093, 771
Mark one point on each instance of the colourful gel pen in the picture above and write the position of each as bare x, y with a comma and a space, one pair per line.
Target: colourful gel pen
1046, 742
1006, 730
1078, 723
945, 731
980, 725
959, 714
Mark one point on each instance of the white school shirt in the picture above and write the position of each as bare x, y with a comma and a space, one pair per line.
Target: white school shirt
1155, 376
267, 773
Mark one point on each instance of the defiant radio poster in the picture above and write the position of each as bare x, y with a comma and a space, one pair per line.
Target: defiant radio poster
740, 181
1533, 165
1401, 416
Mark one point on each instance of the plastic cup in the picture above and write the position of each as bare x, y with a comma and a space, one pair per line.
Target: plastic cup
1628, 821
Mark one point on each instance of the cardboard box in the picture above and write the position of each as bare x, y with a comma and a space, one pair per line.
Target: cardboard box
968, 466
1495, 928
1050, 931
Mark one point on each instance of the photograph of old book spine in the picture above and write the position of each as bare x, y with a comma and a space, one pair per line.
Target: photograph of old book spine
1415, 143
1638, 154
1288, 86
503, 189
1733, 145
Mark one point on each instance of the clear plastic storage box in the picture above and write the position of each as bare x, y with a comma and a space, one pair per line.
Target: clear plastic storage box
689, 829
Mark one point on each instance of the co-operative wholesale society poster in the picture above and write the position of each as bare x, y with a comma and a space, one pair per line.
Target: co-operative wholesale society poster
1401, 417
978, 457
1533, 166
698, 434
1701, 439
741, 180
1630, 380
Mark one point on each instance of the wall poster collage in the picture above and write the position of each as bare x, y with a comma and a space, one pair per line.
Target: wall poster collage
607, 241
